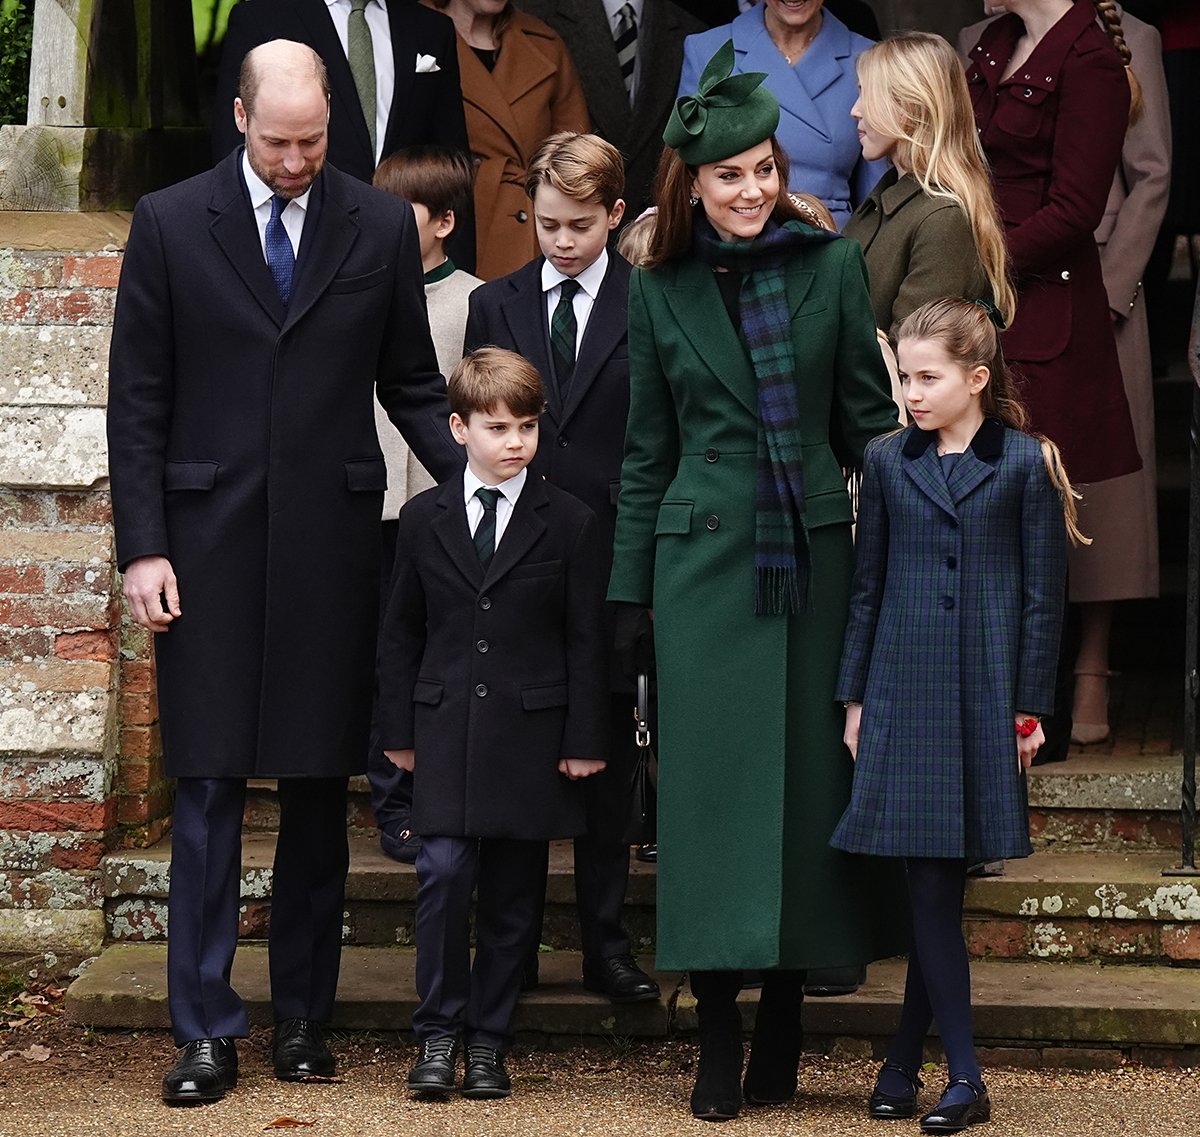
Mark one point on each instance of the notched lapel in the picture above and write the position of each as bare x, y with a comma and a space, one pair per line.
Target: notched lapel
236, 232
328, 46
799, 284
968, 475
450, 527
336, 232
606, 328
523, 312
926, 474
523, 531
404, 59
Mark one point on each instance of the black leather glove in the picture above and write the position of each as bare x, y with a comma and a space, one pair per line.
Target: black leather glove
633, 640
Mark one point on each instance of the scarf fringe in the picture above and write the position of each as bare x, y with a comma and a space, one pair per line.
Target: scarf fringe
782, 590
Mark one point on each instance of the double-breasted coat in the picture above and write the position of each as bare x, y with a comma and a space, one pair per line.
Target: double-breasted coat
636, 130
242, 446
753, 774
917, 248
1052, 132
492, 675
532, 92
954, 629
815, 96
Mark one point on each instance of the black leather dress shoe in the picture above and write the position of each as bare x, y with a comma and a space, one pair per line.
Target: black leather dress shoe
400, 843
485, 1076
299, 1051
895, 1107
620, 978
956, 1118
433, 1072
831, 981
203, 1072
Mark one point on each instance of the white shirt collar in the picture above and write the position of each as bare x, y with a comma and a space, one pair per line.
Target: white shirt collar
511, 488
346, 3
260, 192
589, 280
612, 7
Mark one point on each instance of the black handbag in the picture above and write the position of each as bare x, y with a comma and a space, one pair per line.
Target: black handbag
641, 826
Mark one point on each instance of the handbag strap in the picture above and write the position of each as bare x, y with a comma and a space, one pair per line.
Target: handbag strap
641, 733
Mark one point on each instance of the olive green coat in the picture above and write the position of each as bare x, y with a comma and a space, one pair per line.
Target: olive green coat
753, 775
917, 247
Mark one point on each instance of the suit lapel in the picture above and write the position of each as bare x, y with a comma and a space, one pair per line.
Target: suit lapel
404, 63
524, 529
920, 463
657, 79
979, 461
524, 311
696, 305
336, 230
451, 529
756, 51
324, 41
236, 232
607, 326
607, 100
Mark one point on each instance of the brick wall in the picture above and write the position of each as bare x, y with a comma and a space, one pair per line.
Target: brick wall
80, 756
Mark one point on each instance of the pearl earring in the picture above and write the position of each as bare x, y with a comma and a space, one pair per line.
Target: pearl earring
693, 201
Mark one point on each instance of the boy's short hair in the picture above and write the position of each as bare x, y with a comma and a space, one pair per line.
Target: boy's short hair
582, 166
634, 242
490, 376
437, 177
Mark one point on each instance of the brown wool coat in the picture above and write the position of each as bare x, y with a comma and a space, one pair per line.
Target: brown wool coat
533, 92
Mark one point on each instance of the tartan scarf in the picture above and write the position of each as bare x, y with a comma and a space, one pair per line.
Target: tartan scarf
782, 563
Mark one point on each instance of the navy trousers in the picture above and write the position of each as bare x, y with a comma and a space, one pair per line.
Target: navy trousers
475, 1000
307, 892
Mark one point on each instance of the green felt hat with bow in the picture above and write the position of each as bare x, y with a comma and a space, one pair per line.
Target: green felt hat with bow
727, 114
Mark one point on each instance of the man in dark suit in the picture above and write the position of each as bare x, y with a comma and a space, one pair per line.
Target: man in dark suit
260, 307
628, 108
575, 184
393, 78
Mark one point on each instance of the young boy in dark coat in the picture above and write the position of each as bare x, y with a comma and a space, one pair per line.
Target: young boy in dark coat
565, 312
492, 693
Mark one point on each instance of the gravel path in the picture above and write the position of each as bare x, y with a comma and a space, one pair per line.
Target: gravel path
107, 1084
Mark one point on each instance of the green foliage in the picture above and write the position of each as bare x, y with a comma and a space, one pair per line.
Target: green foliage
208, 18
16, 36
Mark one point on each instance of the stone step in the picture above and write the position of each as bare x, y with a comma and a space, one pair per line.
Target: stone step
1151, 1014
1116, 907
261, 814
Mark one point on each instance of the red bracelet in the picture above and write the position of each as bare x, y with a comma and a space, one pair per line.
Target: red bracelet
1027, 726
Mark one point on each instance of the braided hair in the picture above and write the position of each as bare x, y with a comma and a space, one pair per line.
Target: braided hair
1110, 20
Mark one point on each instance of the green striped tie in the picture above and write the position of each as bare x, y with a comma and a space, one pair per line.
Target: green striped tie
563, 332
361, 56
485, 531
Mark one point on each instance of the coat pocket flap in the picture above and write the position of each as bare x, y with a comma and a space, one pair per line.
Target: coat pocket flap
190, 475
366, 475
544, 697
428, 692
674, 517
358, 283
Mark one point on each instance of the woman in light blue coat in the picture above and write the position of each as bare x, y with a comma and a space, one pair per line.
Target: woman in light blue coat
808, 55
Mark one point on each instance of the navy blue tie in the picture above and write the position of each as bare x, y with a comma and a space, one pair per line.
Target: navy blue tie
281, 258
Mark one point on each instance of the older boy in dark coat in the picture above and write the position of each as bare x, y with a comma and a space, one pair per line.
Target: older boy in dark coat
492, 692
575, 183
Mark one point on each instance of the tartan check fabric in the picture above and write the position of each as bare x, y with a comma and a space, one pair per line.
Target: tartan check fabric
563, 332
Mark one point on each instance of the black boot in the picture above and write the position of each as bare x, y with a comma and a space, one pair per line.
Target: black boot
778, 1037
717, 1094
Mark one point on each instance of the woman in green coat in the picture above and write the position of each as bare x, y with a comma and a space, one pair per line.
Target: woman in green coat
751, 342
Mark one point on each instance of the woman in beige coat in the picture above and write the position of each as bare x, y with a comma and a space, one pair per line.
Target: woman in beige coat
518, 86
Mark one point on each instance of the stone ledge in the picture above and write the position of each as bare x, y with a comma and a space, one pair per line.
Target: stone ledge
39, 546
58, 723
54, 447
49, 231
1128, 782
70, 933
57, 365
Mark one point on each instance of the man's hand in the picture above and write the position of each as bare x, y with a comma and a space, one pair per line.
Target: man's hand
1028, 747
850, 736
401, 759
576, 768
147, 581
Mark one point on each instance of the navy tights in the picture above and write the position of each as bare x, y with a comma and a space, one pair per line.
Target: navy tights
938, 986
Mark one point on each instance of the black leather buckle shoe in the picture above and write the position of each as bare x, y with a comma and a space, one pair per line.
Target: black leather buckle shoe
620, 978
956, 1118
433, 1072
485, 1076
299, 1051
203, 1072
895, 1107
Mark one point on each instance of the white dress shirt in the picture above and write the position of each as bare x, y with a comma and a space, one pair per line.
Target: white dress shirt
381, 48
612, 9
589, 286
510, 490
292, 215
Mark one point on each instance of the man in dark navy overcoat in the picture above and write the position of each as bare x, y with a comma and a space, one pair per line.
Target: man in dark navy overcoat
261, 306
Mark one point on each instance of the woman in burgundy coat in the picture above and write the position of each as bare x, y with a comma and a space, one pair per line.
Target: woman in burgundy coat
1052, 103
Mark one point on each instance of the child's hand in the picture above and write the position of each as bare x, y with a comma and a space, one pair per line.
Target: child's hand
402, 759
850, 737
576, 768
1028, 747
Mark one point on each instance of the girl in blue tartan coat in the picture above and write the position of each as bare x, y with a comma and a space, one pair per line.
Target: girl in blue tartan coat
949, 661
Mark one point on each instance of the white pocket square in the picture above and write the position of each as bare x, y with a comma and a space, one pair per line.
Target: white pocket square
427, 64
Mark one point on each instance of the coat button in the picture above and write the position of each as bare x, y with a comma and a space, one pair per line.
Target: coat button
564, 441
1065, 274
947, 603
485, 602
481, 646
951, 562
1028, 92
712, 454
522, 216
712, 522
481, 689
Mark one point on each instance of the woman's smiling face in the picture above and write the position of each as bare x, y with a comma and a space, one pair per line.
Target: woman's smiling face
739, 193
